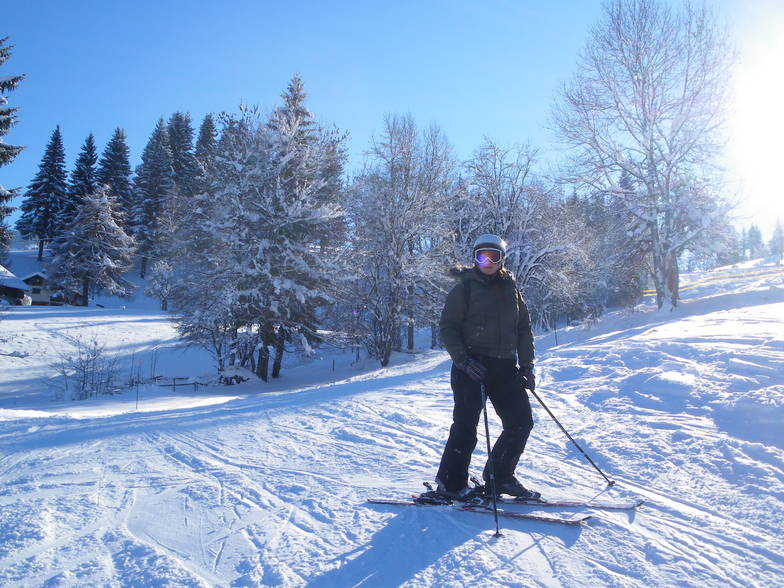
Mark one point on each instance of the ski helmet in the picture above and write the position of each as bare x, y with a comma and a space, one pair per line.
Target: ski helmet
489, 241
489, 250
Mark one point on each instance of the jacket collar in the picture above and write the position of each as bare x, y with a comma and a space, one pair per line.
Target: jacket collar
499, 276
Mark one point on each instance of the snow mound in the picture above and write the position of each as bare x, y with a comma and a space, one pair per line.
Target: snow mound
757, 414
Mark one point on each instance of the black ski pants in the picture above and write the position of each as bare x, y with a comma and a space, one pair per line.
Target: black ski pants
510, 402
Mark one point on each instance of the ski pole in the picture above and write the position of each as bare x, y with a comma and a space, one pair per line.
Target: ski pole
490, 467
609, 481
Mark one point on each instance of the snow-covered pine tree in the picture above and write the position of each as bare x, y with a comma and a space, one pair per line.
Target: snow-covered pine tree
84, 180
184, 163
7, 152
303, 194
45, 195
7, 113
755, 243
207, 142
114, 170
728, 249
206, 152
306, 135
603, 266
154, 193
174, 224
93, 251
776, 244
196, 264
719, 248
256, 241
223, 246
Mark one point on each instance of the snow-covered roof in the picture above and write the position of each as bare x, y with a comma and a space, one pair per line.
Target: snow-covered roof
9, 280
25, 264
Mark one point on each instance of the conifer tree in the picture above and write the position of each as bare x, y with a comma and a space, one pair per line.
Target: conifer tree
755, 243
306, 164
45, 195
744, 244
300, 142
84, 181
114, 171
207, 143
7, 152
154, 193
93, 251
206, 152
184, 163
776, 244
255, 236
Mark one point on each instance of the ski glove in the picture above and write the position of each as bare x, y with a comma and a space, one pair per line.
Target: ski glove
475, 370
526, 376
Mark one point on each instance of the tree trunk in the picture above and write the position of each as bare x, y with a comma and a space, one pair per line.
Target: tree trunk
433, 336
410, 334
40, 249
397, 338
217, 346
85, 290
673, 280
143, 269
387, 352
279, 350
233, 354
263, 363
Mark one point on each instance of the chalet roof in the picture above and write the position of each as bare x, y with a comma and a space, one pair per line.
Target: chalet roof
25, 264
9, 280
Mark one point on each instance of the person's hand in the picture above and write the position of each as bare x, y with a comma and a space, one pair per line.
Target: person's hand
475, 370
526, 376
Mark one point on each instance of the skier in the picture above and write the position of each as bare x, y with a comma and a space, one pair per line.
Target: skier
486, 328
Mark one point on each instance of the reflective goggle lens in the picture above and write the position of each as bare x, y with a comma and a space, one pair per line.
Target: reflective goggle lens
488, 256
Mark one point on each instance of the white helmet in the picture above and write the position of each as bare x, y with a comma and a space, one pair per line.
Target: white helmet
490, 242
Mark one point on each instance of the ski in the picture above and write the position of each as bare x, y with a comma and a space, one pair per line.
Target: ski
631, 505
625, 505
484, 509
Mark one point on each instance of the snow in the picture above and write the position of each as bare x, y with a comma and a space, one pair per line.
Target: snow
9, 280
25, 264
265, 484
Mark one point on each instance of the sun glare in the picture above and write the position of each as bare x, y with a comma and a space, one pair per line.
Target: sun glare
756, 148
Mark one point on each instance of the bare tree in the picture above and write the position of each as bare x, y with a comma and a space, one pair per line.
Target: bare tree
647, 103
398, 207
506, 198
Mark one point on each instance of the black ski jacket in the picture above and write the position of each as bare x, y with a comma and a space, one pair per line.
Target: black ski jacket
486, 315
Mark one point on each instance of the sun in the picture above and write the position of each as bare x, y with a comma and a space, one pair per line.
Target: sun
756, 126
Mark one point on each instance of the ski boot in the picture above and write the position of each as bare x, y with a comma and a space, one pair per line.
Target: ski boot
513, 487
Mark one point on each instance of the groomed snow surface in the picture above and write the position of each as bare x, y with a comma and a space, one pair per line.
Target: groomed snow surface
265, 484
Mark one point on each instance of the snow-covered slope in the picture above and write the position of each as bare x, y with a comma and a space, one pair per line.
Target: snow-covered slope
266, 484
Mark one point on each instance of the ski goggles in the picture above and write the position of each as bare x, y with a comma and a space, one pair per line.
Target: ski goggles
485, 256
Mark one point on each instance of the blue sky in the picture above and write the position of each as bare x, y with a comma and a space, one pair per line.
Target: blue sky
489, 68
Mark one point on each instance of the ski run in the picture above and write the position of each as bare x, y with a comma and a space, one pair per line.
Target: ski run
268, 484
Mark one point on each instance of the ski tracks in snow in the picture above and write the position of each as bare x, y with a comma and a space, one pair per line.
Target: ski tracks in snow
269, 489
